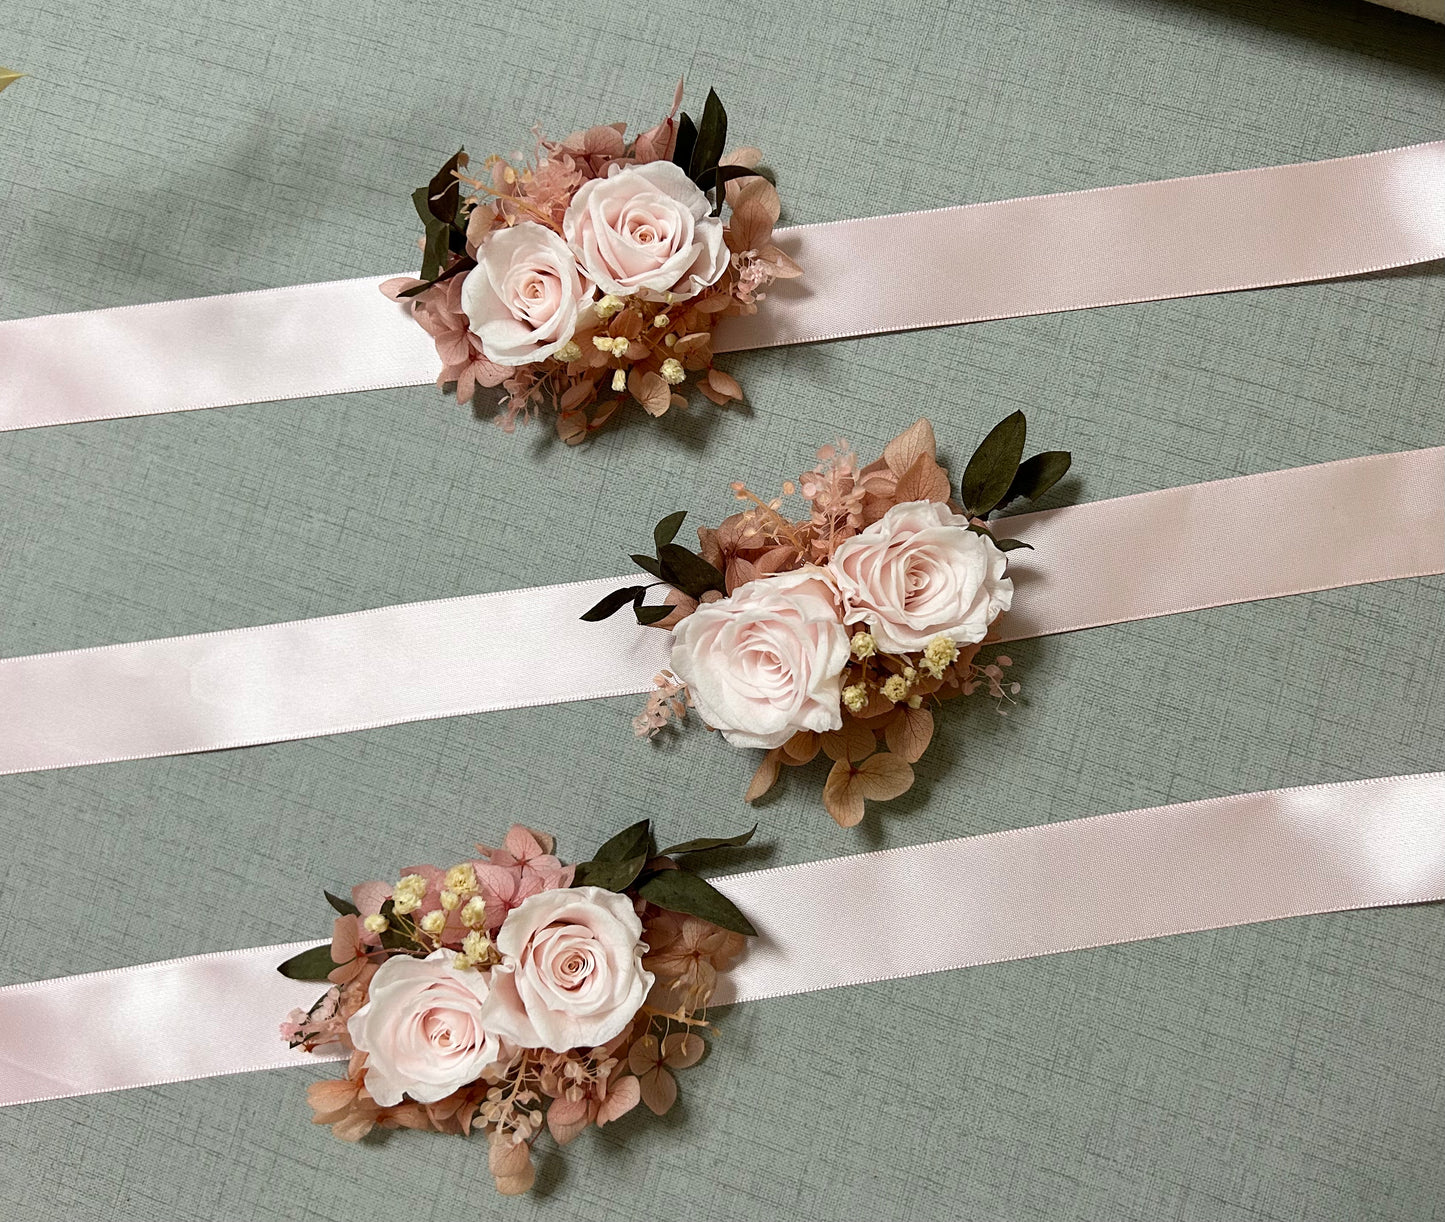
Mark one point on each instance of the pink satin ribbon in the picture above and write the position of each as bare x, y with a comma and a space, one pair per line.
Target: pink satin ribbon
931, 908
1308, 528
1179, 238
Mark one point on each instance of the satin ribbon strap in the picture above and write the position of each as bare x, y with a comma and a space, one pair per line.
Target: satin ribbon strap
1311, 528
934, 907
1181, 237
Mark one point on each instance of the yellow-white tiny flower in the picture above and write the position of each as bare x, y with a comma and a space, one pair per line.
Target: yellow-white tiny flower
474, 913
433, 922
376, 923
863, 645
672, 371
619, 380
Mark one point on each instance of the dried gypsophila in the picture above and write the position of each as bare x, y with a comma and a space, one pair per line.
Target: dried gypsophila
606, 342
686, 932
881, 679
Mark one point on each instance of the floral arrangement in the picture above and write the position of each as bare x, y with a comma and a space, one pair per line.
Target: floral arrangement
512, 991
597, 270
842, 632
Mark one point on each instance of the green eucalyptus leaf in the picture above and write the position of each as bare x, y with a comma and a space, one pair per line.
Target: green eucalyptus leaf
684, 891
612, 603
686, 140
704, 843
1011, 545
345, 907
1038, 474
628, 843
712, 134
648, 564
991, 470
647, 616
444, 192
666, 530
688, 571
313, 964
437, 251
609, 875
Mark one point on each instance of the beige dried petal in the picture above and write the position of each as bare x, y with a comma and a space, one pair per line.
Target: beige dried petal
576, 395
740, 572
572, 427
659, 1090
909, 734
839, 797
925, 480
782, 265
853, 742
644, 1055
624, 1095
802, 747
516, 1185
883, 776
507, 1157
724, 384
683, 1049
651, 391
904, 450
755, 212
765, 777
692, 342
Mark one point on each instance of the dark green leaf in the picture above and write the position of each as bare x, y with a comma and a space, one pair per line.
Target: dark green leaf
609, 875
648, 564
719, 177
437, 251
703, 844
686, 139
629, 842
393, 938
612, 603
647, 616
456, 269
1011, 545
313, 964
683, 891
689, 572
345, 907
1038, 475
666, 530
444, 192
994, 464
712, 134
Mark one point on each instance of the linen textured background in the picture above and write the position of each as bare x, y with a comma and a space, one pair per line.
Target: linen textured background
168, 148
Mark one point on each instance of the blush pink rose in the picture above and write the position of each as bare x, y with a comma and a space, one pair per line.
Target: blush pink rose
422, 1031
768, 661
646, 229
571, 974
524, 296
920, 573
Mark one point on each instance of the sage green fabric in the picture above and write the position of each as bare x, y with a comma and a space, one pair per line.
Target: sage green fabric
167, 148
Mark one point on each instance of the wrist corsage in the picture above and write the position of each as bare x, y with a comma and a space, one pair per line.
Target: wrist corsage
843, 631
512, 991
596, 271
